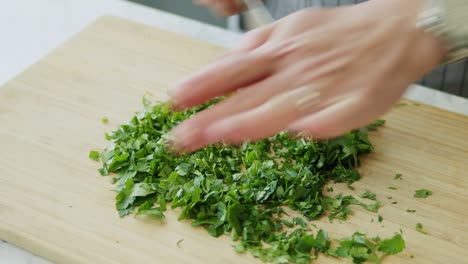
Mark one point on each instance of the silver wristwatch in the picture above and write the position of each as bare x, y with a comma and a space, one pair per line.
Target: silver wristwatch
448, 19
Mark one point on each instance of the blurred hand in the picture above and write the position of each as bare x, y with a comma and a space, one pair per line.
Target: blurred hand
222, 7
321, 72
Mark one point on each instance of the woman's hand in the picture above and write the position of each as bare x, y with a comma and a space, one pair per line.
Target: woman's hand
222, 7
321, 72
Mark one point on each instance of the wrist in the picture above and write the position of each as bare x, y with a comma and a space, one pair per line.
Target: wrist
446, 20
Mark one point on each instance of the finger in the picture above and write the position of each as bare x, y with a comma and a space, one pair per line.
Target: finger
266, 119
189, 136
220, 78
255, 38
251, 41
339, 118
212, 80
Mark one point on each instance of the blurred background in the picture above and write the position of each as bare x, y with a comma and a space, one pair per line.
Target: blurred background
30, 29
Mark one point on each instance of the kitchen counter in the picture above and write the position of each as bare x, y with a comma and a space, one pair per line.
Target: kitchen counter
33, 28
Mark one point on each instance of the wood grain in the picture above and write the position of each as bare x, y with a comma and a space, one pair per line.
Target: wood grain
54, 203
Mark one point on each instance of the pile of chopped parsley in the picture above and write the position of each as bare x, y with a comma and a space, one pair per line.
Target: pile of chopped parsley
241, 191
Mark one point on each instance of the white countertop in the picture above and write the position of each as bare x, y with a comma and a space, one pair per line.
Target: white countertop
31, 29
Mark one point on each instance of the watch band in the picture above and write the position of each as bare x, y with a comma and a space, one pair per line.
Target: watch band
448, 19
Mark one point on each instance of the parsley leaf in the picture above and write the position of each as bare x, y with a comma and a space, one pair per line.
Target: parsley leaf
422, 193
146, 209
240, 191
380, 219
393, 245
368, 195
94, 155
361, 249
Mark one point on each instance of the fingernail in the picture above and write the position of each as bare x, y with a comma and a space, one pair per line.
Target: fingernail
171, 143
174, 102
174, 106
172, 91
183, 139
294, 133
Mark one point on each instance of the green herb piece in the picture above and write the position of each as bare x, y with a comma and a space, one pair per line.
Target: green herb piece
373, 207
240, 248
361, 249
338, 207
411, 211
380, 219
394, 202
300, 221
401, 104
398, 176
147, 210
368, 195
237, 191
351, 187
389, 197
393, 245
105, 120
419, 228
329, 189
179, 242
422, 193
94, 155
373, 126
392, 188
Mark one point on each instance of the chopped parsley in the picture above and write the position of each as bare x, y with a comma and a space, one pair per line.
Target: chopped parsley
240, 191
360, 249
419, 228
94, 155
368, 195
338, 206
422, 193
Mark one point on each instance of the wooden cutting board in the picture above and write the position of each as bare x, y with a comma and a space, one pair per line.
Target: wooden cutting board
54, 203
